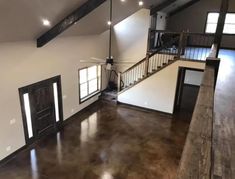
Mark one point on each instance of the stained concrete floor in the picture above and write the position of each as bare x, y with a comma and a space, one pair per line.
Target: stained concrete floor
107, 142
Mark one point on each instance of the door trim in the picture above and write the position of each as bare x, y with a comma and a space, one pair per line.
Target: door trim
27, 89
180, 84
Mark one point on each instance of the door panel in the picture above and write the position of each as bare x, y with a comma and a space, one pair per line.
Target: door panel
43, 110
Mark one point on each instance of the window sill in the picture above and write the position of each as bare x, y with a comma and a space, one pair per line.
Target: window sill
89, 97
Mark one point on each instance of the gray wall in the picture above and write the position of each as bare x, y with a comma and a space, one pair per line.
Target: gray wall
194, 19
130, 38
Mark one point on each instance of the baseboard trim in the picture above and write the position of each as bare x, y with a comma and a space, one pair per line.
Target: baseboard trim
143, 108
27, 146
12, 155
72, 118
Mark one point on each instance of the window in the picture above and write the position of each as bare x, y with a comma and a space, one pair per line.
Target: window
212, 21
229, 26
89, 82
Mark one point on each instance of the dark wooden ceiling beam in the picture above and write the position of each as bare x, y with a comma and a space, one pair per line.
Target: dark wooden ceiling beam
161, 6
68, 21
181, 8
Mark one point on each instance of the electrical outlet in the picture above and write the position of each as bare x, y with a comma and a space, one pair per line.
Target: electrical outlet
8, 148
72, 110
64, 96
12, 121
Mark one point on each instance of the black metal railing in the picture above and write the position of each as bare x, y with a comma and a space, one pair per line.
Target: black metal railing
192, 46
196, 46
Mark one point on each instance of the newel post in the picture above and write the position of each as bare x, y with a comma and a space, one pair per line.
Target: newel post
146, 65
119, 82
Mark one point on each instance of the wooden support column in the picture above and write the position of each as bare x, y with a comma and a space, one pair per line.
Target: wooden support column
221, 22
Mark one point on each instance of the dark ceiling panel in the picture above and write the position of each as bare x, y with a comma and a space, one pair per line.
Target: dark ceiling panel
181, 8
161, 6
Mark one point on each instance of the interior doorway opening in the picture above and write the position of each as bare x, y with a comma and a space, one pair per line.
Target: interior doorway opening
188, 85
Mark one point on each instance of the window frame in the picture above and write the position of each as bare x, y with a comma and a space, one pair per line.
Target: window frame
99, 83
233, 34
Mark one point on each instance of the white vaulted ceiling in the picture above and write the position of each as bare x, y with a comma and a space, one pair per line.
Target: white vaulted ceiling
22, 19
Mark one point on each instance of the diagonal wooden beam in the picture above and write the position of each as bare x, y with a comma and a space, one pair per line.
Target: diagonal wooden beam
161, 6
181, 8
221, 22
68, 21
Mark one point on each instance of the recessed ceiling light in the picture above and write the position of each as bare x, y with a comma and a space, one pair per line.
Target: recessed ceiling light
123, 0
46, 22
109, 23
141, 3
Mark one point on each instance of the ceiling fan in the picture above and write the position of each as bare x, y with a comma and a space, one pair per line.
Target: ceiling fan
109, 61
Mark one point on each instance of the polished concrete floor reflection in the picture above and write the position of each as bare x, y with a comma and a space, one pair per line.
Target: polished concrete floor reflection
107, 142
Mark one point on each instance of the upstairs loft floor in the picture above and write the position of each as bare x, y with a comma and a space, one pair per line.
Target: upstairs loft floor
224, 122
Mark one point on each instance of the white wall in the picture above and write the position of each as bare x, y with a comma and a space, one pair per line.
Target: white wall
194, 19
130, 38
193, 77
21, 64
158, 91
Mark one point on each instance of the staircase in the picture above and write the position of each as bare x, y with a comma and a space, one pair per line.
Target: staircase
153, 62
189, 46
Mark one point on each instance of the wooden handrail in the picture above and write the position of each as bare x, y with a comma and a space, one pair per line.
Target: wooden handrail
196, 160
164, 31
190, 33
134, 65
202, 34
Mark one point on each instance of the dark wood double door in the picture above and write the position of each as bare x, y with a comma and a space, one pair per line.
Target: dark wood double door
42, 102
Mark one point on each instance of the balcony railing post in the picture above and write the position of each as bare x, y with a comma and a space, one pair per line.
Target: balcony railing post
119, 82
184, 43
181, 45
146, 65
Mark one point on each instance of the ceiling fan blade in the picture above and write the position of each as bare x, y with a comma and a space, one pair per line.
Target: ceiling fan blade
98, 59
89, 61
